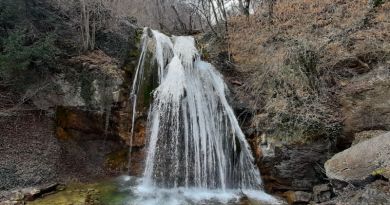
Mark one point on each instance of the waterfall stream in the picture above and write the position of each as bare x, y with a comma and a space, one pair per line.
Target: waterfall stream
194, 139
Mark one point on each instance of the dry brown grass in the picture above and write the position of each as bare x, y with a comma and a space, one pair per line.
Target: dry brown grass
292, 61
314, 21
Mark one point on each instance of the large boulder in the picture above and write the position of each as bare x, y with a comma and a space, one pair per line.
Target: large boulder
365, 102
375, 193
294, 167
297, 197
322, 193
117, 41
367, 158
96, 83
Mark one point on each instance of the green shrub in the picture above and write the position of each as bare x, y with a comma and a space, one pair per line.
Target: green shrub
25, 60
11, 12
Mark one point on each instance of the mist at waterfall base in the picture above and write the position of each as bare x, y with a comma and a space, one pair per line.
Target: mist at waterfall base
196, 152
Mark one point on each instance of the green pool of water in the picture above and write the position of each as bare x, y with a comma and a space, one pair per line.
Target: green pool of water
107, 192
125, 191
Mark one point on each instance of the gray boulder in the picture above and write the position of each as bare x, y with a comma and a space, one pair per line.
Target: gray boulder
322, 193
365, 159
298, 197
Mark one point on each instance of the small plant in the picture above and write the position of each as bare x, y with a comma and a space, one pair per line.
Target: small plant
306, 60
376, 3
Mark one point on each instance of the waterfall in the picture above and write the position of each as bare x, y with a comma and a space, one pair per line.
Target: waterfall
196, 149
194, 137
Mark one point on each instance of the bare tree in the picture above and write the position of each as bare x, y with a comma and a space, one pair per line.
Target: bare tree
222, 10
89, 16
244, 7
171, 16
271, 4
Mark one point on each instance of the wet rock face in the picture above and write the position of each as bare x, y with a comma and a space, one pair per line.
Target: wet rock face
118, 161
83, 127
78, 124
96, 83
115, 42
293, 167
298, 197
322, 193
365, 159
108, 113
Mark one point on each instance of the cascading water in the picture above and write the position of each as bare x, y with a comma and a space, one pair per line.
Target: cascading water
195, 141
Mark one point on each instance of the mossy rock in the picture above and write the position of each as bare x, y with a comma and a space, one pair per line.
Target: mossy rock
385, 172
150, 77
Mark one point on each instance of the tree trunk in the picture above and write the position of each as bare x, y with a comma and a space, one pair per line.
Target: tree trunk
241, 6
271, 4
84, 25
182, 24
206, 12
159, 14
214, 12
93, 36
221, 6
247, 6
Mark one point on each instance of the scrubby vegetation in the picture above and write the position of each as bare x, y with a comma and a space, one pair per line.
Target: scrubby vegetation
27, 56
38, 41
25, 61
294, 54
292, 60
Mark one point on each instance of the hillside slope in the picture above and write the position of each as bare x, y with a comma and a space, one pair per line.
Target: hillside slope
307, 62
308, 79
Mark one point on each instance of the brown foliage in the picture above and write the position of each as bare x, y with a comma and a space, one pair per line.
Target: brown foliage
291, 60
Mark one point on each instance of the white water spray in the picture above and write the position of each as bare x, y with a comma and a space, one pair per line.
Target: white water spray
195, 141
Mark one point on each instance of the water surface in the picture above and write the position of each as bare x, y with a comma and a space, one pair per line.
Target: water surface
126, 190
